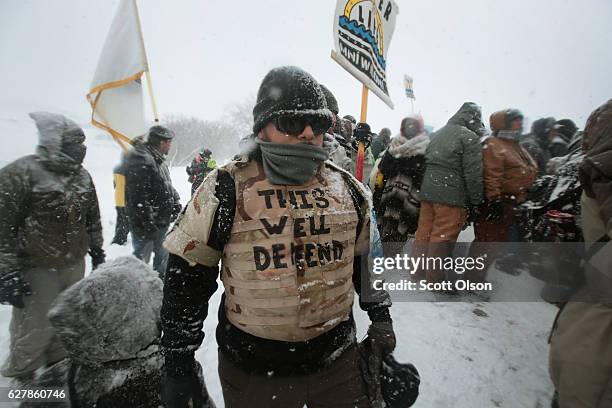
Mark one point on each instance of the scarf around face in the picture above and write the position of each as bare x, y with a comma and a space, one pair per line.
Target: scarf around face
514, 135
290, 164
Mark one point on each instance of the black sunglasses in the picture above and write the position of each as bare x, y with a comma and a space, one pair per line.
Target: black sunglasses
295, 124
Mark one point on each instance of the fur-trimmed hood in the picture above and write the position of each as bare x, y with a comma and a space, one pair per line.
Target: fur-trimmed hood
401, 147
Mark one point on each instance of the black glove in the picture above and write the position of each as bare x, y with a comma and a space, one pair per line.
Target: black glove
13, 287
186, 391
379, 343
494, 210
472, 215
98, 257
119, 239
382, 337
362, 133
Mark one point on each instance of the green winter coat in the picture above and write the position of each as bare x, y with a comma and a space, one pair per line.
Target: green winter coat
453, 174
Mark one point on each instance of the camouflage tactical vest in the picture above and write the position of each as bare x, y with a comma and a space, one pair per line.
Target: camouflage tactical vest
287, 268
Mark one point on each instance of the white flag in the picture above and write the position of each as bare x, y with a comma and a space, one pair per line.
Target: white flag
362, 34
116, 90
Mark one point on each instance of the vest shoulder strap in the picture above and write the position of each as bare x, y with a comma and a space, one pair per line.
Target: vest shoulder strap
362, 199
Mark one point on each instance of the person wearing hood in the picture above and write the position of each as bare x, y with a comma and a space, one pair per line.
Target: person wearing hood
152, 203
580, 358
452, 185
400, 174
333, 142
563, 132
49, 221
380, 142
291, 230
509, 171
537, 143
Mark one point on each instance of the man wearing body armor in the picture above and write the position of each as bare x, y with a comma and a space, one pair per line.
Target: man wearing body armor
291, 230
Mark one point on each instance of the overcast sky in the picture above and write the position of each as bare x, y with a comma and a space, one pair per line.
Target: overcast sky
545, 57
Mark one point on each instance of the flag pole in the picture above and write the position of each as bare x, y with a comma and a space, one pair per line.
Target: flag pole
147, 72
362, 119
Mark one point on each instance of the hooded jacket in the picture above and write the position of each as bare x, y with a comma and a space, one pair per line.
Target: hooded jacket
581, 346
453, 174
49, 213
151, 200
537, 143
596, 169
509, 170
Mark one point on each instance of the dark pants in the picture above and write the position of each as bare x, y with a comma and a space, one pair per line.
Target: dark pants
143, 247
490, 238
121, 227
338, 386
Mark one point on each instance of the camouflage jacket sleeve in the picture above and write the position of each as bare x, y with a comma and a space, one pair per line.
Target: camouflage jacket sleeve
14, 192
189, 285
191, 233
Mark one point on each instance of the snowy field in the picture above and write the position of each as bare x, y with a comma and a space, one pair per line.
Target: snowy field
468, 354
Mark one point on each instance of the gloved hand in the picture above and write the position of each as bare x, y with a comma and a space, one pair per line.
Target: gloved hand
98, 257
472, 215
13, 287
382, 337
362, 133
379, 343
494, 210
177, 392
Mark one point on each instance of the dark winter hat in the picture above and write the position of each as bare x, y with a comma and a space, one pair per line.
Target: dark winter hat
288, 91
332, 103
543, 126
350, 118
385, 132
161, 132
566, 127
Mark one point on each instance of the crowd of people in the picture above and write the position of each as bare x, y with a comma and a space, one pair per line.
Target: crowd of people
289, 230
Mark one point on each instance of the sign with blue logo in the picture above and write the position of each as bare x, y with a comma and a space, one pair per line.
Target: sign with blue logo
362, 34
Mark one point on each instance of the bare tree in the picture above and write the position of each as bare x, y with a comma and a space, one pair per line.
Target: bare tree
239, 115
193, 134
221, 137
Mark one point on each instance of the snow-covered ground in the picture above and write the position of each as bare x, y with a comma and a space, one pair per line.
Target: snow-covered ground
468, 354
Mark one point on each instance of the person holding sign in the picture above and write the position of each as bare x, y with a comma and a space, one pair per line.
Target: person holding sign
291, 230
